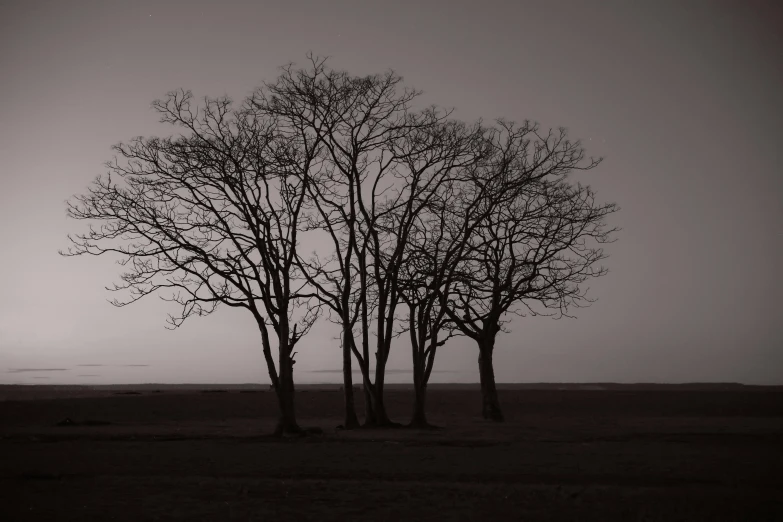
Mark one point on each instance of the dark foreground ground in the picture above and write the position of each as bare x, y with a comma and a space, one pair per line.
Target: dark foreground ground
625, 455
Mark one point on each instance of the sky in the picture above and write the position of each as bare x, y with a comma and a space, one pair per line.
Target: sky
682, 99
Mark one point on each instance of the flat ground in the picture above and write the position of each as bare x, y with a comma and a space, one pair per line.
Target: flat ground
624, 454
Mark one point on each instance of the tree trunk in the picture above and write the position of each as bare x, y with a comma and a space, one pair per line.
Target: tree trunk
376, 395
489, 393
419, 419
285, 395
370, 419
379, 408
369, 413
351, 420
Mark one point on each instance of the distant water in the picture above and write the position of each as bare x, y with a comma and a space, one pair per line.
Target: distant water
393, 376
98, 374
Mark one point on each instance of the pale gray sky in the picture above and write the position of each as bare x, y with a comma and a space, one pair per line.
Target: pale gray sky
681, 97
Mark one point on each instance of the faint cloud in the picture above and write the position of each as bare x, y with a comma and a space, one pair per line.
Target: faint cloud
22, 370
89, 365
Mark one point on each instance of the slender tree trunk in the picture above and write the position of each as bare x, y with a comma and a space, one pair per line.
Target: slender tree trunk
380, 418
489, 393
381, 356
419, 419
367, 387
351, 420
378, 406
369, 412
370, 419
282, 381
285, 395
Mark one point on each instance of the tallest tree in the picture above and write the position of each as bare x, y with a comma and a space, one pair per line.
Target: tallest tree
381, 162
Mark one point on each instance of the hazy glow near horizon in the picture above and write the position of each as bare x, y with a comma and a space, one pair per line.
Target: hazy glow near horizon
681, 98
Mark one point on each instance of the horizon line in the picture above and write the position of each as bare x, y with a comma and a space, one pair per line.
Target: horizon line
516, 383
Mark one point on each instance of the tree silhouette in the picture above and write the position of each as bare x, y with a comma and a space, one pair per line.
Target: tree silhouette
433, 227
207, 218
537, 240
385, 160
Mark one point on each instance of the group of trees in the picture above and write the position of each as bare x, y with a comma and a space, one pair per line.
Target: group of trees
433, 228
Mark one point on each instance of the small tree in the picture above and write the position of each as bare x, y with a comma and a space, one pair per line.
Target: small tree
534, 244
430, 252
436, 239
207, 218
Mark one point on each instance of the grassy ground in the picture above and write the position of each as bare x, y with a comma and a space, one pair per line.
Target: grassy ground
625, 454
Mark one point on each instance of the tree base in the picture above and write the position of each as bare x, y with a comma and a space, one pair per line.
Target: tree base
352, 424
350, 427
382, 425
423, 425
296, 431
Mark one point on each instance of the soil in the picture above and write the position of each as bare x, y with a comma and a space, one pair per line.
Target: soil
589, 453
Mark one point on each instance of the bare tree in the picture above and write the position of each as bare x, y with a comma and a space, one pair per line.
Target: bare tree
537, 240
351, 117
432, 242
211, 217
429, 252
385, 161
439, 240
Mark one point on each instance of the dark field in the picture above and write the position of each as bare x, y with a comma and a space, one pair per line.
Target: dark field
629, 454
